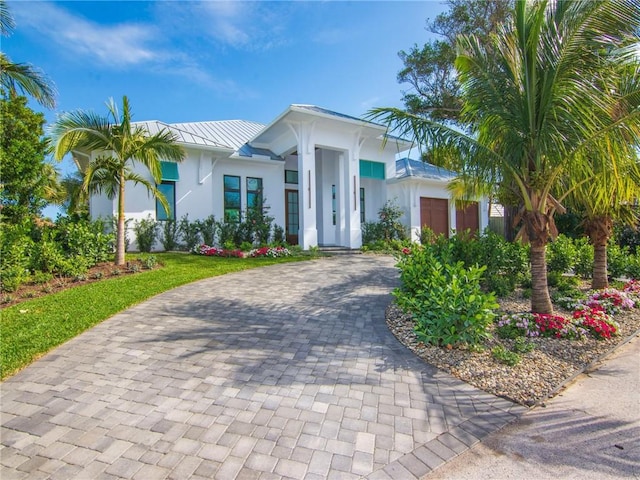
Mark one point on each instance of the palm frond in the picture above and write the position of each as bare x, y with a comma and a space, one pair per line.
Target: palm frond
26, 79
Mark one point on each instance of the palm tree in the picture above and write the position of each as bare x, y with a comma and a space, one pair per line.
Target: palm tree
22, 76
122, 144
607, 191
531, 108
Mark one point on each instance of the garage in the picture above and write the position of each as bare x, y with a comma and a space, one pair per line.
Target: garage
467, 218
434, 213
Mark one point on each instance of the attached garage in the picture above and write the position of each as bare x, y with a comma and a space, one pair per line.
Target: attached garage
421, 189
468, 218
434, 213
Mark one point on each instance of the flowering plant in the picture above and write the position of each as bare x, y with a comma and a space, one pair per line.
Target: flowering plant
518, 325
557, 326
270, 252
538, 325
632, 288
596, 320
612, 301
217, 252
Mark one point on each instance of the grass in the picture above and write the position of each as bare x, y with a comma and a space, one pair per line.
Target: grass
32, 328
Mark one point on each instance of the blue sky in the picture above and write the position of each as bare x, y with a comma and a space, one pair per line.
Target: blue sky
181, 61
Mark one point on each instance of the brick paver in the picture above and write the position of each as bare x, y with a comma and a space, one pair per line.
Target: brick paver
283, 372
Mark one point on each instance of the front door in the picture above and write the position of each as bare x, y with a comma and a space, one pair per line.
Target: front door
292, 213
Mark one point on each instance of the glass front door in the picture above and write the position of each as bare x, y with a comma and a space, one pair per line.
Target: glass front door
293, 216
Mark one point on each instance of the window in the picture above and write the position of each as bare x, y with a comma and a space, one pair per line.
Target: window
231, 198
333, 202
362, 205
369, 169
168, 189
254, 192
291, 176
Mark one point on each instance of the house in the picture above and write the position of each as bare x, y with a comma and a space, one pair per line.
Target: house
321, 173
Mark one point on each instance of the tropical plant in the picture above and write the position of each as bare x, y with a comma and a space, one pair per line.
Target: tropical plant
532, 111
120, 145
606, 191
22, 77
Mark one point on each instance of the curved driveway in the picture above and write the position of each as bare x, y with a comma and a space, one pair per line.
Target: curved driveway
287, 371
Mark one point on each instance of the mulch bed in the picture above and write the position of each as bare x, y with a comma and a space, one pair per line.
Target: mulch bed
541, 372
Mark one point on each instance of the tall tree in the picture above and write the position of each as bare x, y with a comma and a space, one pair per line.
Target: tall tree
22, 77
532, 108
605, 192
120, 145
27, 181
430, 70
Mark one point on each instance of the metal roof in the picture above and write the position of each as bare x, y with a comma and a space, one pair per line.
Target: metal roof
407, 167
184, 136
230, 133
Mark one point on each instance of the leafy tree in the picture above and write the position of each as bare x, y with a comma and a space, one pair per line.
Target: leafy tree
27, 181
430, 70
120, 145
533, 110
22, 77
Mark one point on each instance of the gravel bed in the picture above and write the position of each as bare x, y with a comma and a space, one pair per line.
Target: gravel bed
539, 374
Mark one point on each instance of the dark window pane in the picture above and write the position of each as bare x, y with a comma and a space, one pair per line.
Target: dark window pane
231, 182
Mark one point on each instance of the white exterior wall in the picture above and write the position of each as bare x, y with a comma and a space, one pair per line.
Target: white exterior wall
272, 174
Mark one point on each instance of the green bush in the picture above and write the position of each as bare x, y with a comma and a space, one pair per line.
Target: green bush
583, 265
190, 232
633, 266
146, 231
170, 234
445, 300
617, 260
388, 228
84, 238
560, 254
279, 238
207, 229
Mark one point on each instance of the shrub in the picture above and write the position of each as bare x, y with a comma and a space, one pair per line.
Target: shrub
279, 238
190, 232
149, 262
83, 238
146, 231
388, 228
170, 234
445, 299
583, 265
207, 229
617, 260
560, 254
227, 232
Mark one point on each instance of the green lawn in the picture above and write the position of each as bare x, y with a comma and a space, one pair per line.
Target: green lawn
32, 328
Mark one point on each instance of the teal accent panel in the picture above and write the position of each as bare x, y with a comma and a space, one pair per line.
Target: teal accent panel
369, 169
169, 171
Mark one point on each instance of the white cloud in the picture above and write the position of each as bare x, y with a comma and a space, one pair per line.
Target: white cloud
120, 45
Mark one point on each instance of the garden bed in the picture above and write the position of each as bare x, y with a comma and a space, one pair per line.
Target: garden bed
101, 271
540, 373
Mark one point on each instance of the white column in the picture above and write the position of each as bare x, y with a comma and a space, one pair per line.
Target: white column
308, 234
351, 193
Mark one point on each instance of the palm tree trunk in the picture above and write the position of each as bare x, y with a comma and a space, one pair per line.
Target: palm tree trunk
599, 229
600, 278
120, 233
540, 299
537, 227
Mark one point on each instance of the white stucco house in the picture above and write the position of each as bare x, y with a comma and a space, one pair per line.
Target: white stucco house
321, 173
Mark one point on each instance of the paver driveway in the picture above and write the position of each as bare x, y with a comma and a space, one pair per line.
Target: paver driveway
283, 372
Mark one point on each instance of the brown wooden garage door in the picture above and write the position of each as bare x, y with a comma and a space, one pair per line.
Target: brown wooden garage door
434, 213
467, 218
